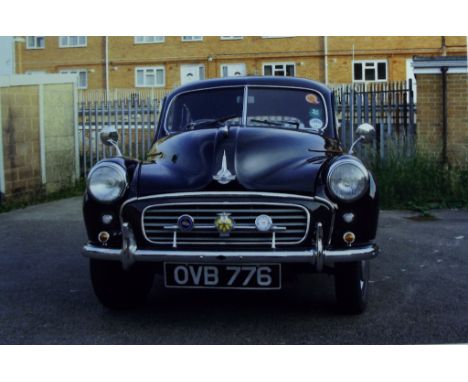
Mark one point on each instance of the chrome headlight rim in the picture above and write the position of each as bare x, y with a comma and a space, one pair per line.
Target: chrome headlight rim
122, 173
356, 163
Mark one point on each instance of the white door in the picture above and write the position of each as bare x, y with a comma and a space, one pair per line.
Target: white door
190, 73
232, 70
410, 75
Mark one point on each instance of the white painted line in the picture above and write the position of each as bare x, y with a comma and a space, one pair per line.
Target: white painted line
42, 134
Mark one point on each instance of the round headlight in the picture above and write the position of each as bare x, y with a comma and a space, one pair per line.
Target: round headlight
348, 180
107, 182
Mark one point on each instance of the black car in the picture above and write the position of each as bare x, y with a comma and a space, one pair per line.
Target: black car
246, 183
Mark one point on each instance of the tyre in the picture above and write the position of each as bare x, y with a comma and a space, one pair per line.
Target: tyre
116, 288
352, 286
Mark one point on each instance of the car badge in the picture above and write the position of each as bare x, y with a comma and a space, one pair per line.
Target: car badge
224, 176
224, 224
185, 223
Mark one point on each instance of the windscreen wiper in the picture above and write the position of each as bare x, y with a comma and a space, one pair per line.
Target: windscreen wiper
271, 123
209, 122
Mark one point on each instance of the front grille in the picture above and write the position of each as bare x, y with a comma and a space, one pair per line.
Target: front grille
293, 217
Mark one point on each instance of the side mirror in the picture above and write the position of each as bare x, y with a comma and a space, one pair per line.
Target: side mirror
365, 133
109, 137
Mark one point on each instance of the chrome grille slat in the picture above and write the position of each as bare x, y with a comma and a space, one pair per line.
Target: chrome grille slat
294, 217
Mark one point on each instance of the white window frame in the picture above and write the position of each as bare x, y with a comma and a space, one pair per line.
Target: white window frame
77, 71
35, 45
147, 68
375, 67
231, 37
222, 66
67, 43
191, 38
278, 63
154, 39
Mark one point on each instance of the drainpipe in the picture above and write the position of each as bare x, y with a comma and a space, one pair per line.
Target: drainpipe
107, 68
325, 57
443, 46
444, 115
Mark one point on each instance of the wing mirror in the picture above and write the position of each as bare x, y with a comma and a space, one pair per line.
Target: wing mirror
109, 137
365, 133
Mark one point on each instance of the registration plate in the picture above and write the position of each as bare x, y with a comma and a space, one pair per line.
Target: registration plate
222, 276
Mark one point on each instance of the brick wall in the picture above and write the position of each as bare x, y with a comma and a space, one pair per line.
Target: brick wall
430, 115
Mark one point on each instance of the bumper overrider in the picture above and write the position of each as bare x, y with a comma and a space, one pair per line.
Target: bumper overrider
317, 255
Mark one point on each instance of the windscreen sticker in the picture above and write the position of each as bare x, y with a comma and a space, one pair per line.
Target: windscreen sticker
312, 98
315, 112
315, 123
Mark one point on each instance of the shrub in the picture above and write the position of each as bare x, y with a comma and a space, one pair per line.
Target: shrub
420, 182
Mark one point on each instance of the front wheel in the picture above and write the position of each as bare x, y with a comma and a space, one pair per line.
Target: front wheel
352, 286
117, 288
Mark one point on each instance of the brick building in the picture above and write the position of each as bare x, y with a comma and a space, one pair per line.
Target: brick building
164, 62
443, 107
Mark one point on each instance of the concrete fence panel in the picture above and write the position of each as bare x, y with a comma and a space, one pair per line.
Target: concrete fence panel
37, 135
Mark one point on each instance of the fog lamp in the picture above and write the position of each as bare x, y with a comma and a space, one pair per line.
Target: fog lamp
107, 219
348, 217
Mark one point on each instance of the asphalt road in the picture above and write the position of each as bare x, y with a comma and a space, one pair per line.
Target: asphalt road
419, 292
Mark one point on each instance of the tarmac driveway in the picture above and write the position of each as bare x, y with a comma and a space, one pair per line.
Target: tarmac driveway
419, 292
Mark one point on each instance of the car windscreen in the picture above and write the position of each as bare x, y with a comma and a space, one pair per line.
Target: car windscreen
286, 108
205, 108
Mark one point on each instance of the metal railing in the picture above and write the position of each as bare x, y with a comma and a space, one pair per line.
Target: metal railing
135, 120
389, 107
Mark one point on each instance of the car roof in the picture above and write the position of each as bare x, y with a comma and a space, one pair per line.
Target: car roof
252, 80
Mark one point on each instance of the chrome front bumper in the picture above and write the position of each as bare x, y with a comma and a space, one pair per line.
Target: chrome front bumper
130, 254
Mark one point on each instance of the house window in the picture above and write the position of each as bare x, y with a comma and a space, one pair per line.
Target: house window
370, 71
72, 41
82, 77
149, 39
233, 70
35, 42
285, 69
231, 37
192, 38
150, 77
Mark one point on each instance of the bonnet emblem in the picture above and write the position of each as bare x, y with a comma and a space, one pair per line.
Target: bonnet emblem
224, 176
